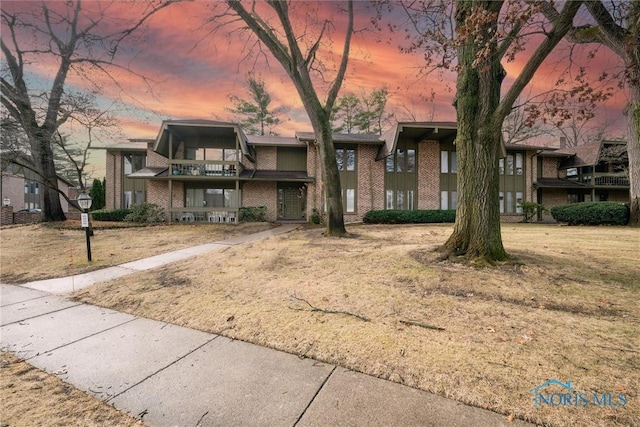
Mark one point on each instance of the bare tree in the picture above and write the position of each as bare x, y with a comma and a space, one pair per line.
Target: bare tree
485, 34
299, 54
79, 40
617, 26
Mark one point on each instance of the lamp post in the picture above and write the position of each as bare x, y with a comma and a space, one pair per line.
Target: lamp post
84, 201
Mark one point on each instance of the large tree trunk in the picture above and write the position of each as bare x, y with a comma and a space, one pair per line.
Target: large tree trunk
633, 151
476, 233
43, 159
330, 175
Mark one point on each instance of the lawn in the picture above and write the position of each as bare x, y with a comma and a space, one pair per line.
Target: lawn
379, 301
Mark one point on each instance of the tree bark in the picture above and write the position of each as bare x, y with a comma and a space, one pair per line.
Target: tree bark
633, 151
476, 233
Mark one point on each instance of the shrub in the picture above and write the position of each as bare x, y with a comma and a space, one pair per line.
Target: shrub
592, 213
531, 209
253, 214
316, 217
409, 217
110, 215
146, 213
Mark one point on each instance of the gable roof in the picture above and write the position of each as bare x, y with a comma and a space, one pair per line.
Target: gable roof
417, 131
184, 129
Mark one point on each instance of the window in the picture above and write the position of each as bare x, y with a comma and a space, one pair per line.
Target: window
518, 202
444, 162
211, 198
448, 200
519, 163
454, 162
501, 166
400, 178
346, 160
411, 160
390, 162
133, 190
501, 196
509, 164
444, 200
351, 200
572, 172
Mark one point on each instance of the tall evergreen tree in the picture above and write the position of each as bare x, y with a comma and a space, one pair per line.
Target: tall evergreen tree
256, 117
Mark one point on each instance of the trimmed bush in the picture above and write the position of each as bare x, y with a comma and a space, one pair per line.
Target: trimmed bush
110, 215
409, 217
253, 214
530, 210
592, 213
146, 213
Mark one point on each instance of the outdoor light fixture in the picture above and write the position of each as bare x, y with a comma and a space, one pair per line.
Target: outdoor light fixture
84, 201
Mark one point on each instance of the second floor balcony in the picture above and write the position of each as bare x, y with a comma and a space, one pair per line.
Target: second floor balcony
598, 179
204, 168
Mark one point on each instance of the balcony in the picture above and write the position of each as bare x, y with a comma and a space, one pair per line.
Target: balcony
202, 168
619, 179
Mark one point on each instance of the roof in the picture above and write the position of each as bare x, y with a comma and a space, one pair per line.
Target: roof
580, 155
557, 183
274, 141
417, 131
198, 128
148, 172
274, 175
138, 144
345, 138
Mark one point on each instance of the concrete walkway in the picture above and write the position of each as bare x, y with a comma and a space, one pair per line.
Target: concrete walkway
168, 375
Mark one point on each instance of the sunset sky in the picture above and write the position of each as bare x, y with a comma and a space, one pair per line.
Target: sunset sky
193, 70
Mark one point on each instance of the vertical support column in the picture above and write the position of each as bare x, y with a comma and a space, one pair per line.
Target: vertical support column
170, 177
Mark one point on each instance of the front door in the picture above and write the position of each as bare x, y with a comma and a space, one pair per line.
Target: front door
292, 201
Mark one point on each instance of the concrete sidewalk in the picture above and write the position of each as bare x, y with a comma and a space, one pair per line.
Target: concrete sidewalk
168, 375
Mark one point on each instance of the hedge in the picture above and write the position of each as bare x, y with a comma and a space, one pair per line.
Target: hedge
592, 213
253, 214
110, 215
409, 217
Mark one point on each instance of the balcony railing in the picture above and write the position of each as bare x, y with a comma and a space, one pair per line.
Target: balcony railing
205, 168
602, 179
200, 215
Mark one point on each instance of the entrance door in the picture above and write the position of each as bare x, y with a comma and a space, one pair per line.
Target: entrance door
292, 201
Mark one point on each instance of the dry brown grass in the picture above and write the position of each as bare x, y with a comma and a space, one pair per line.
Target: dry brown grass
31, 397
565, 308
45, 251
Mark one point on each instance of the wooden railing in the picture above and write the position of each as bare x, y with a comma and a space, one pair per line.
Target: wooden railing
205, 168
603, 179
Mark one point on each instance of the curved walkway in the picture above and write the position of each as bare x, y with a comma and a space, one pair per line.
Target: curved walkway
168, 375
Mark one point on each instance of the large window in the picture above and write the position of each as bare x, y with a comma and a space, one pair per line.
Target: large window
401, 177
511, 181
448, 177
31, 195
346, 161
212, 154
211, 197
134, 191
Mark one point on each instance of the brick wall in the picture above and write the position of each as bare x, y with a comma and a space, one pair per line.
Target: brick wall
553, 197
428, 175
267, 158
113, 178
6, 215
261, 193
550, 167
155, 159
